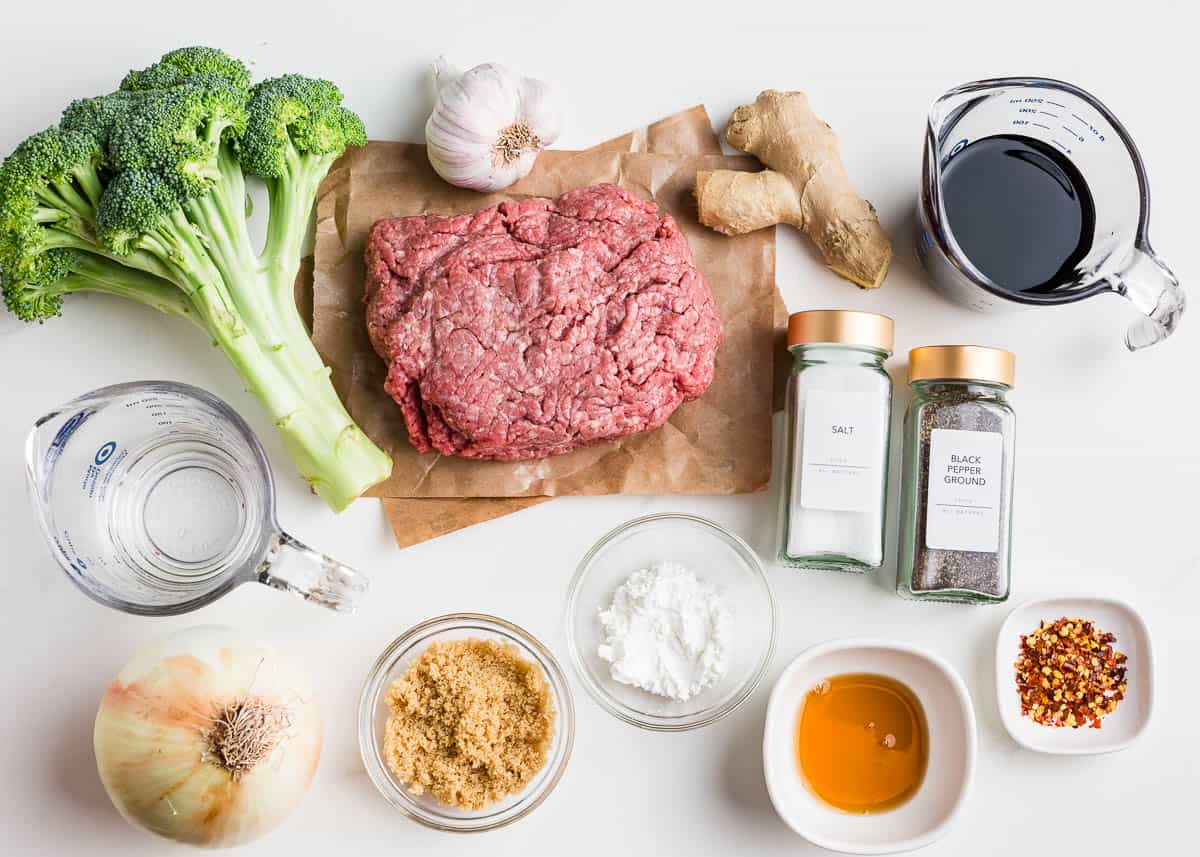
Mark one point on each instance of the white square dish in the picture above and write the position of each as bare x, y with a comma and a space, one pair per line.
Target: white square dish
1120, 728
950, 769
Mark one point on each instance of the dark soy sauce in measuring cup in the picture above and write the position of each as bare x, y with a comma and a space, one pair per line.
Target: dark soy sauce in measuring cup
1019, 210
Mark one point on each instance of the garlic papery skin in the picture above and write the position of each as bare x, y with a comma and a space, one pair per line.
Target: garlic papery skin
488, 125
207, 738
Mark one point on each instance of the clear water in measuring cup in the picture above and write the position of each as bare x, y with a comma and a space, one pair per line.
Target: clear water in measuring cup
179, 507
151, 497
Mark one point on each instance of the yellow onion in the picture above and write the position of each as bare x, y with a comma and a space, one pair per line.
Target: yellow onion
207, 738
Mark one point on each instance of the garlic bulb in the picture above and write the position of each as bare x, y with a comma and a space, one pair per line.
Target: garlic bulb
488, 125
207, 738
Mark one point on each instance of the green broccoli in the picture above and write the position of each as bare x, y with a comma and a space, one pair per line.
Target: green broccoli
141, 194
178, 65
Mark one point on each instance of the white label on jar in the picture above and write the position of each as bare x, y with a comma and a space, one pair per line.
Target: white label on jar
963, 506
839, 467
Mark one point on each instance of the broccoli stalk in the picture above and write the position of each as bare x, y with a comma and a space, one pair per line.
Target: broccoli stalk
95, 274
141, 194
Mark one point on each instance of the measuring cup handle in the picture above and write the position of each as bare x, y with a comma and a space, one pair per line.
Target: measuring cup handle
295, 567
1152, 287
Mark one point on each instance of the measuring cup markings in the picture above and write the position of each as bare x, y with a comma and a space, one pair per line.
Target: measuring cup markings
1032, 107
1118, 257
156, 498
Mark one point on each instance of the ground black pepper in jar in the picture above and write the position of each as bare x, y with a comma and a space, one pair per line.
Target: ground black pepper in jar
956, 496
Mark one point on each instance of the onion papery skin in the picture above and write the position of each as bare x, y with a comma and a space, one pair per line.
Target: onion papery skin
153, 749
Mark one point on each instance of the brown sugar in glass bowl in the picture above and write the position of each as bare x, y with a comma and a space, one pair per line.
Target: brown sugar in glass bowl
471, 721
489, 653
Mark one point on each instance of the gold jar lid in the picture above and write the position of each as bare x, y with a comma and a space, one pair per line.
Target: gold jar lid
843, 327
962, 362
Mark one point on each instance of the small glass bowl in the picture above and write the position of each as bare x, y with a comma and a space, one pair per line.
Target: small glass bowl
373, 716
714, 554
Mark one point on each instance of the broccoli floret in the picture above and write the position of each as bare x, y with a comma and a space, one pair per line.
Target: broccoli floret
50, 197
293, 115
177, 131
296, 127
49, 176
178, 65
49, 190
135, 203
141, 194
98, 116
61, 272
34, 295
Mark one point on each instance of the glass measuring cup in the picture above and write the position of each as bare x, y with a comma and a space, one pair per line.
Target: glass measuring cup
1120, 259
156, 498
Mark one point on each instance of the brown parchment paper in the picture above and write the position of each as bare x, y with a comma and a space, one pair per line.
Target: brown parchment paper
417, 520
719, 444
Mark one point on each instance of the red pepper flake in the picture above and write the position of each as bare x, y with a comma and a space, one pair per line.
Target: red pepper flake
1068, 674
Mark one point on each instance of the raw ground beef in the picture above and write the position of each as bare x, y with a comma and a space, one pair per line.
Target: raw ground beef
532, 328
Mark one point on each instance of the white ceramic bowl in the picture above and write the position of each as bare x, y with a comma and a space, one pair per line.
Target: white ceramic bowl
1119, 729
951, 768
715, 555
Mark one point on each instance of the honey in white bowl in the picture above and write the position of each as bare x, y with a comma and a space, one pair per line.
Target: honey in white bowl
862, 743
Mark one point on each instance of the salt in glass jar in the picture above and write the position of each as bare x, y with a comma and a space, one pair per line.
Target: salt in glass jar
839, 406
957, 477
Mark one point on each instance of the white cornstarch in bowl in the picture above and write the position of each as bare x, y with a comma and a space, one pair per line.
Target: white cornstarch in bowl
667, 632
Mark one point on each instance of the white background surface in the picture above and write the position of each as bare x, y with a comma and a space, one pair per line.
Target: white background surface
1107, 469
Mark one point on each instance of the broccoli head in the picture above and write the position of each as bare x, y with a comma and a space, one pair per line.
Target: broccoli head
141, 194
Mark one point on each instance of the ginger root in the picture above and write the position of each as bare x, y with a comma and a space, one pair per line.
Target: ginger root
804, 184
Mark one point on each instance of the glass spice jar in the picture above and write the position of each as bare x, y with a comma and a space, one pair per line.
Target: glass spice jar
838, 424
957, 477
